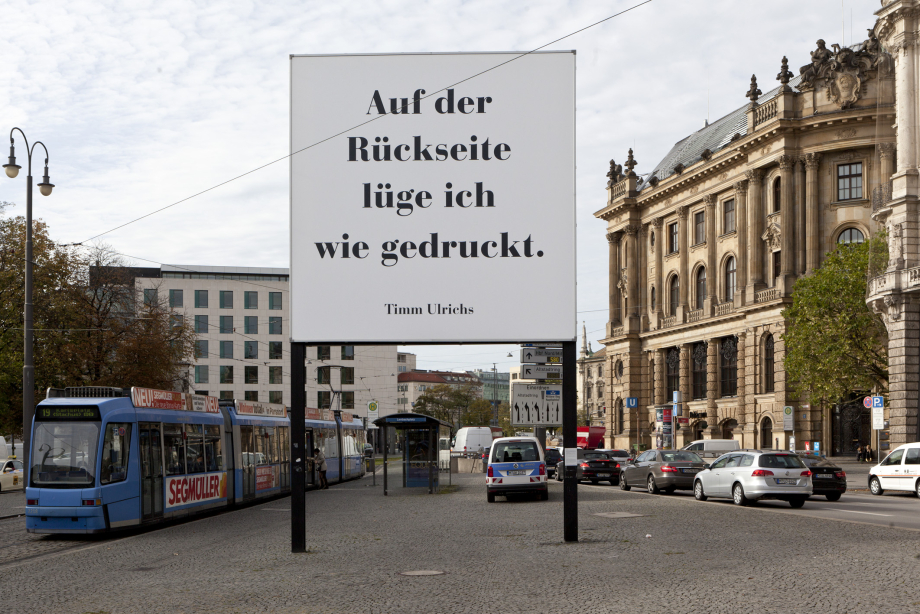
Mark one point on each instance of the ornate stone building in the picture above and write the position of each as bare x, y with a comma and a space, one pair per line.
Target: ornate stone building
895, 292
592, 406
704, 250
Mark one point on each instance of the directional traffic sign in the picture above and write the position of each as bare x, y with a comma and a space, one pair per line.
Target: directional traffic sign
541, 356
536, 405
541, 372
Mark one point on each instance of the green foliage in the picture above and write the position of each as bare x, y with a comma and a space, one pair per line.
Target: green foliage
835, 344
457, 405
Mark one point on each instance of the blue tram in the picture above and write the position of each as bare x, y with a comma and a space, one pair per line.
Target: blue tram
103, 460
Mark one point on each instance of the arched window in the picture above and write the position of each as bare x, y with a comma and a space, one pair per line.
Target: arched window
768, 365
777, 195
674, 294
653, 299
850, 235
729, 355
700, 287
766, 434
730, 279
672, 369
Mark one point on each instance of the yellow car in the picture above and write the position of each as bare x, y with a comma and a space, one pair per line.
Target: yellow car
12, 477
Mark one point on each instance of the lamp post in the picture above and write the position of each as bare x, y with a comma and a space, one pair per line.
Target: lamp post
494, 406
28, 366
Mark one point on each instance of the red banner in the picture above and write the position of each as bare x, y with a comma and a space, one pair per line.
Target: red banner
265, 477
187, 489
314, 414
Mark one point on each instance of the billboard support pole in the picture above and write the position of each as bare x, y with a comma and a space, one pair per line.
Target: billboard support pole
569, 440
298, 452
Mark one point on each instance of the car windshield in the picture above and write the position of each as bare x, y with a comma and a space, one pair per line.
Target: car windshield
64, 454
780, 461
817, 461
619, 454
670, 457
596, 456
553, 456
513, 451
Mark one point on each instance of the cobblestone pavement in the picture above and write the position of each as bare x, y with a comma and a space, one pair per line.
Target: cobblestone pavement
677, 556
12, 502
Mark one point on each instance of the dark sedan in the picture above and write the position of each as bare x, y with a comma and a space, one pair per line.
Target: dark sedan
662, 470
553, 458
827, 478
592, 465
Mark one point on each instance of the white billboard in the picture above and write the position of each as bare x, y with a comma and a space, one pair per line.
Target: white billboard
438, 182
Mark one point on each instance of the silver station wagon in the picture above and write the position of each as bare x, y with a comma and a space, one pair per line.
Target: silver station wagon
750, 475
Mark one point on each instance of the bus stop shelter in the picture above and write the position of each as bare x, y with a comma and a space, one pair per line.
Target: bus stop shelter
422, 437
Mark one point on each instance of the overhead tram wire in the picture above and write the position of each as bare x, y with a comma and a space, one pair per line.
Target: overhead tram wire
364, 123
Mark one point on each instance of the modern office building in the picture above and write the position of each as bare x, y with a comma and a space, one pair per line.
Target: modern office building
496, 385
242, 318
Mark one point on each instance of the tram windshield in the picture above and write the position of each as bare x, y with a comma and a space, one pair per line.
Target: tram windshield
64, 454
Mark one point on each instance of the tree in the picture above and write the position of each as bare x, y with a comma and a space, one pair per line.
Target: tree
835, 344
479, 413
447, 403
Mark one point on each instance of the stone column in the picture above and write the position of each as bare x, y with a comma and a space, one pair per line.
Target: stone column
659, 376
886, 159
903, 320
712, 273
905, 52
642, 275
686, 375
658, 224
787, 213
800, 228
741, 189
812, 212
742, 380
632, 271
756, 228
712, 381
613, 251
682, 240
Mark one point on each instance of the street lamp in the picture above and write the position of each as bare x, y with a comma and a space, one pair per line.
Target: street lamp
28, 366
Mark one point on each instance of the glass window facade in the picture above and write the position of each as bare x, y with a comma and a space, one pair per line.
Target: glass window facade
226, 349
348, 352
849, 181
768, 365
274, 300
324, 399
672, 372
673, 243
851, 235
250, 300
251, 325
226, 299
201, 348
698, 366
728, 216
699, 227
275, 396
324, 352
251, 374
274, 375
175, 298
348, 375
201, 374
729, 367
201, 299
251, 395
700, 287
251, 349
201, 324
226, 325
348, 400
274, 326
226, 376
150, 296
274, 350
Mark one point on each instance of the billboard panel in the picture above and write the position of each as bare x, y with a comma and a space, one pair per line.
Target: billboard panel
429, 193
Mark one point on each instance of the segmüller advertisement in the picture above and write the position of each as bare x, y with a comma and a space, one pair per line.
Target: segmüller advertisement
433, 197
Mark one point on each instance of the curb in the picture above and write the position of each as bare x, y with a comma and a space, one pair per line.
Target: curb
11, 516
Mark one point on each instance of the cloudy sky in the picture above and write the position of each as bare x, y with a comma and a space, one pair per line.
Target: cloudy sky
143, 104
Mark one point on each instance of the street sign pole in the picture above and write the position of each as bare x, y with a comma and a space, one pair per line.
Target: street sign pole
569, 440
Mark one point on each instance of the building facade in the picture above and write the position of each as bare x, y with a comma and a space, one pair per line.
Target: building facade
591, 386
241, 316
496, 385
704, 251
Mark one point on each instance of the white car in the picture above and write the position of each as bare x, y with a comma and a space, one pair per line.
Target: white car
12, 477
516, 465
899, 471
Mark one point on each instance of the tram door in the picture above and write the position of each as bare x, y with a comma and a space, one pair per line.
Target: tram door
248, 462
151, 456
310, 477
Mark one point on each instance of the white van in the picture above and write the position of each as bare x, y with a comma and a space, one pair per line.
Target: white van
516, 465
712, 448
899, 471
470, 438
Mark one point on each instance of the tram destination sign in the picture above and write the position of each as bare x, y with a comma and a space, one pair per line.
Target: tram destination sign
398, 175
67, 412
542, 356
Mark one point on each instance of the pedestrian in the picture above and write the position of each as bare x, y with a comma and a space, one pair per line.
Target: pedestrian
868, 453
859, 453
320, 460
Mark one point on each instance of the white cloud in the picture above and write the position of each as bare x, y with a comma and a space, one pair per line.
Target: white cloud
142, 104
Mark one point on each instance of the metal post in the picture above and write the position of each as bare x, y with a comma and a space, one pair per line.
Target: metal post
430, 476
386, 436
569, 440
298, 451
28, 366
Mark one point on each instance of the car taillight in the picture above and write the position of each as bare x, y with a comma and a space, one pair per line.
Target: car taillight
31, 501
840, 474
490, 471
618, 465
585, 466
542, 469
806, 473
668, 469
92, 501
761, 473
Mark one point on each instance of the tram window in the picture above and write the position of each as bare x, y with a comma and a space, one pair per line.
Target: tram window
115, 449
174, 447
271, 444
348, 443
213, 456
246, 446
284, 443
194, 448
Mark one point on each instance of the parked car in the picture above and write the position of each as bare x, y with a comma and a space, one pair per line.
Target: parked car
470, 439
662, 470
592, 465
516, 465
553, 457
827, 478
11, 475
899, 471
368, 450
752, 475
620, 456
